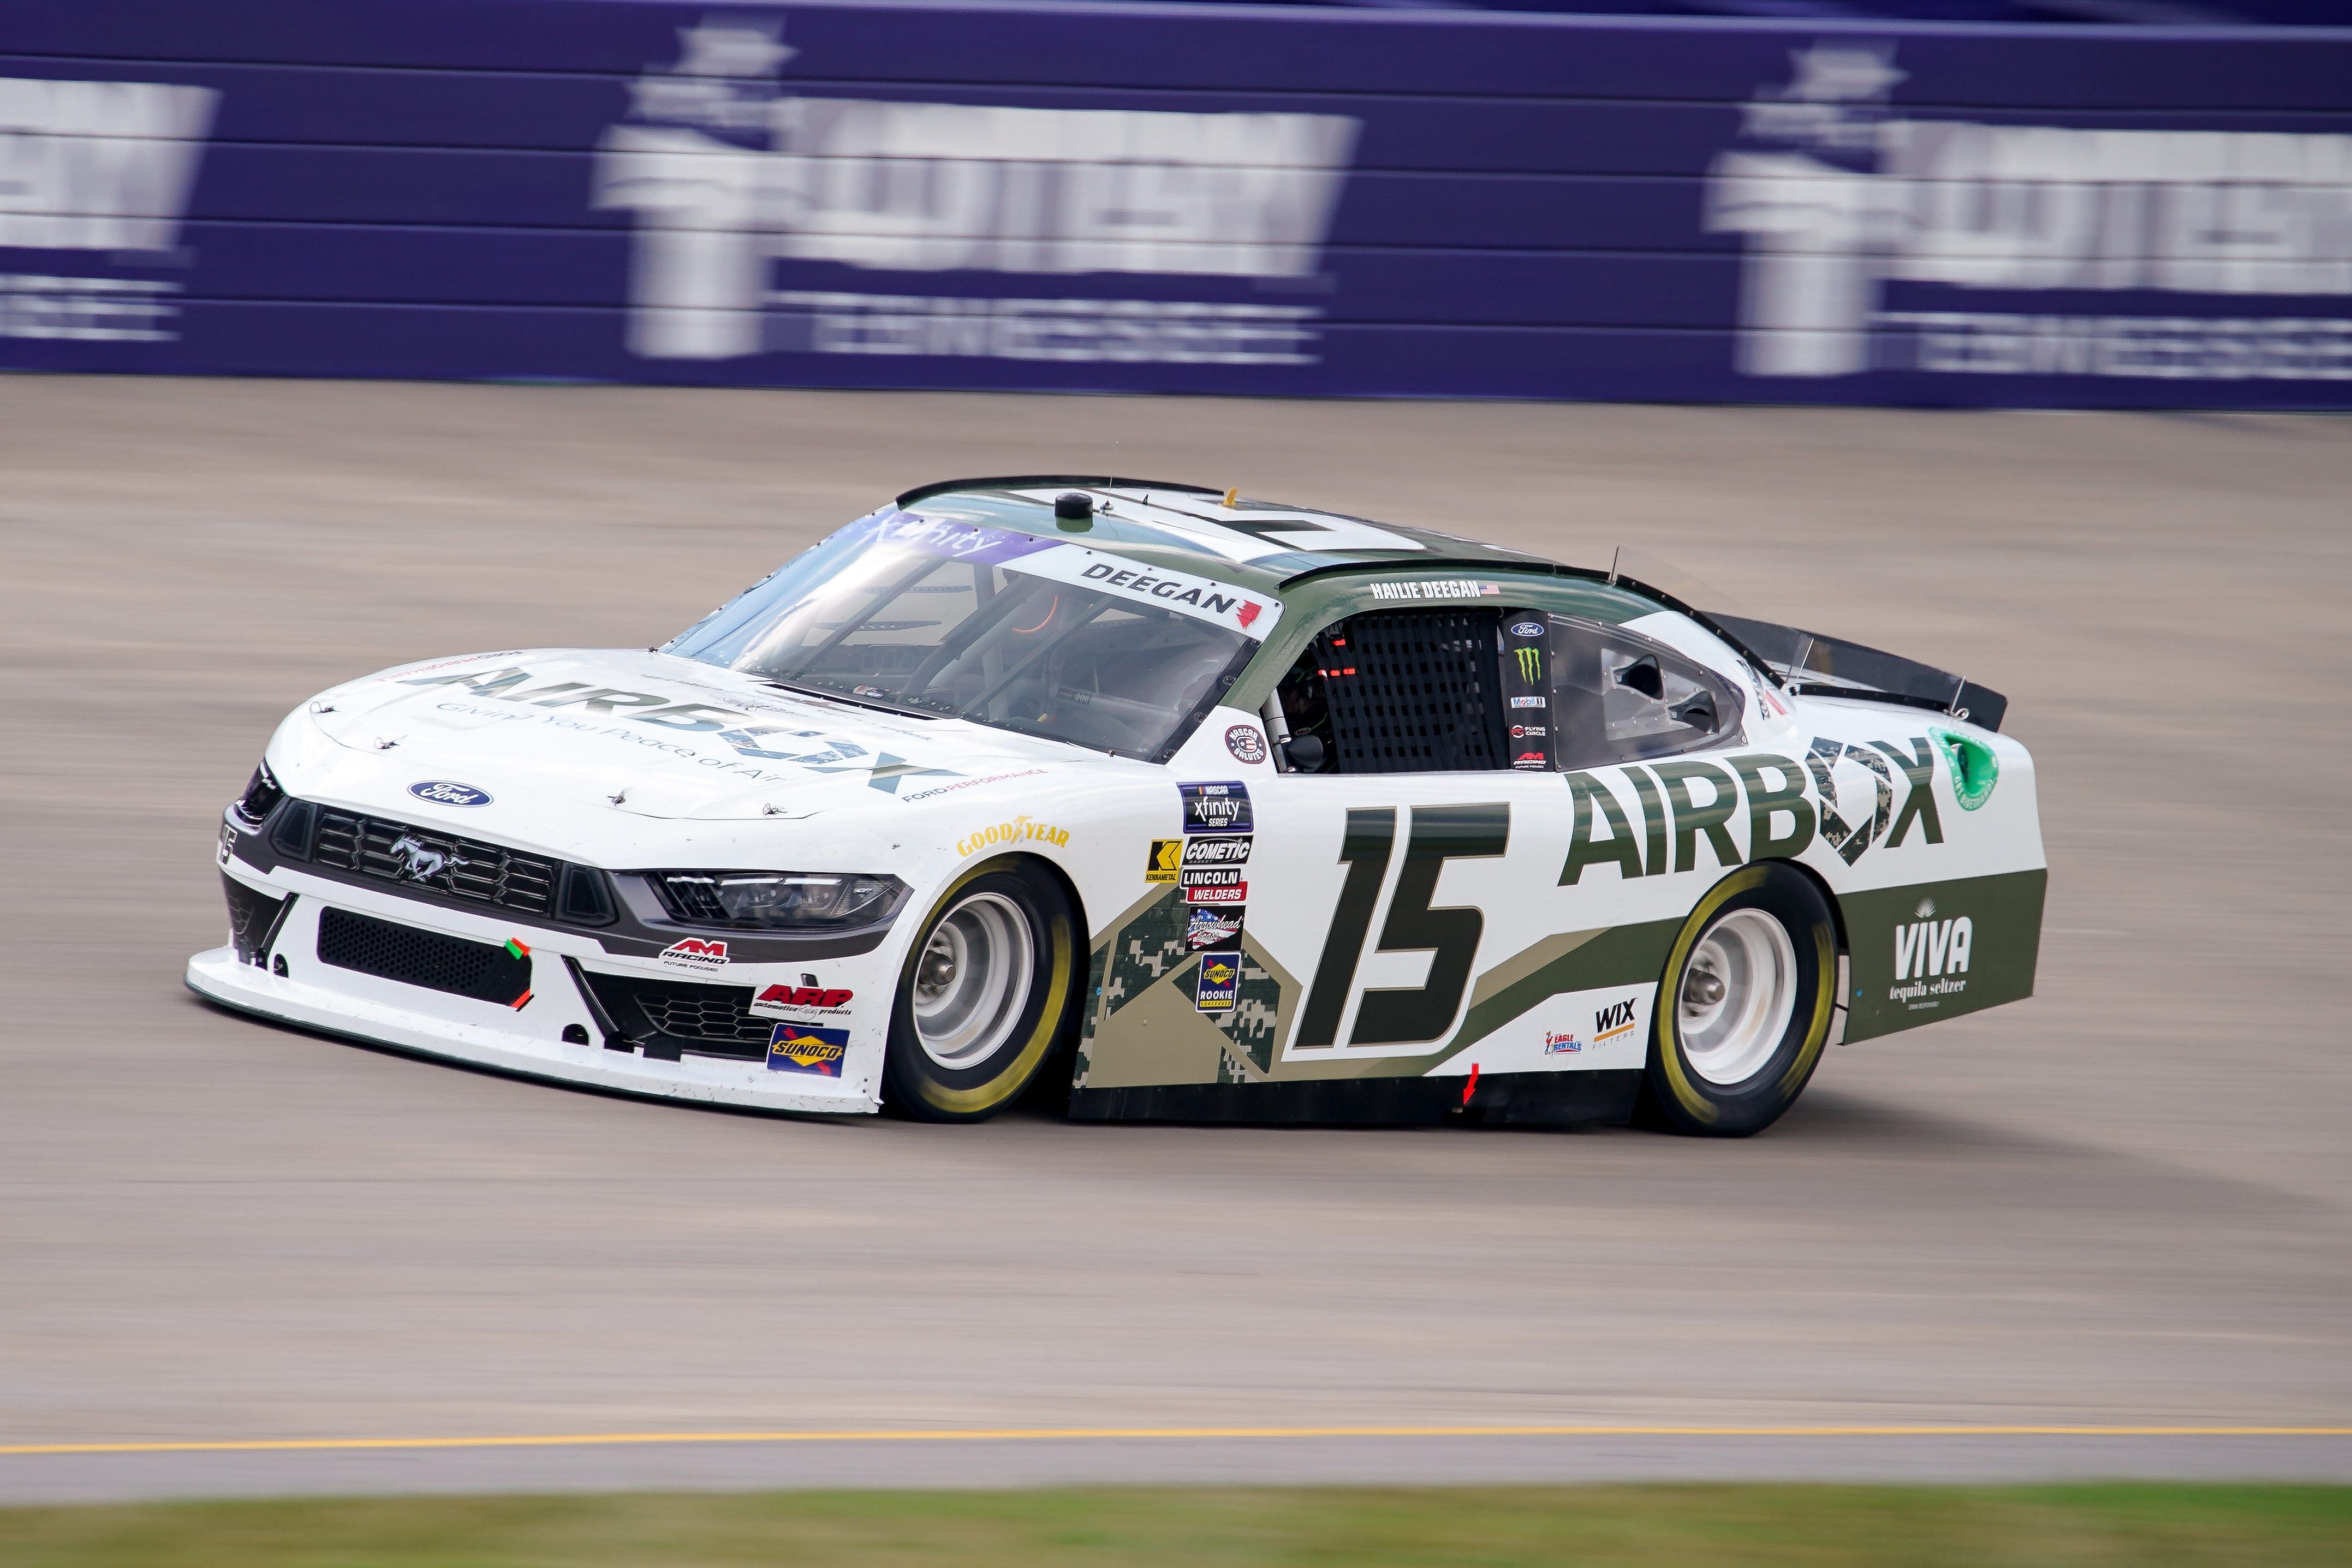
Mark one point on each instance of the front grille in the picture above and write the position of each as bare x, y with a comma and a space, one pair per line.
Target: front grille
426, 958
703, 1020
425, 857
251, 917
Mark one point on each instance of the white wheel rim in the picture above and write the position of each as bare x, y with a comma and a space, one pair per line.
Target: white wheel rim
1739, 992
972, 980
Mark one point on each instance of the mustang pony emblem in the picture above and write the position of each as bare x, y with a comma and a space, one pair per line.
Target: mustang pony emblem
418, 864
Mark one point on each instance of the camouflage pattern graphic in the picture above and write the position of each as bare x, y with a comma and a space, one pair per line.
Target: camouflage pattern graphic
1147, 950
1093, 1010
1253, 1023
1848, 839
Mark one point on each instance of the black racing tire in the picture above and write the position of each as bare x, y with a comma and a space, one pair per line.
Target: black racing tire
992, 906
1742, 1085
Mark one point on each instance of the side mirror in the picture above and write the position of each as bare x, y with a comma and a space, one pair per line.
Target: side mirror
1644, 676
1696, 710
1304, 753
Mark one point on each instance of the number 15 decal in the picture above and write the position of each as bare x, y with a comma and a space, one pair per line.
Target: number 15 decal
1450, 935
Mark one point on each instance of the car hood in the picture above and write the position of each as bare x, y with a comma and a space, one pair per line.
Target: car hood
657, 735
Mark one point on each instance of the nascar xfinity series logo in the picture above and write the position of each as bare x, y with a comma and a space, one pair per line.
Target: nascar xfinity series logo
1873, 239
728, 173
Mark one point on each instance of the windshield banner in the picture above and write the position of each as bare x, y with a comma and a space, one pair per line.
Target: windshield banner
1251, 614
1252, 200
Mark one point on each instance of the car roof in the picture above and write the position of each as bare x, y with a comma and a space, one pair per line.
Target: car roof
1260, 544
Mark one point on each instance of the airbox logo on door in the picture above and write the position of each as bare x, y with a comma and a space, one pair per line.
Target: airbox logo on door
102, 168
729, 174
1874, 241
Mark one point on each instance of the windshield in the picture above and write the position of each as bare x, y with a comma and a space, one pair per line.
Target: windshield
934, 616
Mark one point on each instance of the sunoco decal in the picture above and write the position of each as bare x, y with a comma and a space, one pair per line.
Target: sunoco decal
803, 1047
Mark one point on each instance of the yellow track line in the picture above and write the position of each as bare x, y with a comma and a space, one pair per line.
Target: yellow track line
1097, 1434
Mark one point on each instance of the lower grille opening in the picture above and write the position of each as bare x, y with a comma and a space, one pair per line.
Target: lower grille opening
252, 919
673, 1017
426, 959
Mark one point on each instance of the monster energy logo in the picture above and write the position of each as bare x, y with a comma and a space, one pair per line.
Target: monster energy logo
1530, 664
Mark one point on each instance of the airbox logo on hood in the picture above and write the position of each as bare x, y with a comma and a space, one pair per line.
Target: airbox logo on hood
443, 793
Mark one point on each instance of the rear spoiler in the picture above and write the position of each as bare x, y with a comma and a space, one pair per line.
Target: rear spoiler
1813, 665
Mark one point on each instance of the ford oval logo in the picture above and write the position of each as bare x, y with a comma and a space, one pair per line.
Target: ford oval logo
1526, 629
443, 793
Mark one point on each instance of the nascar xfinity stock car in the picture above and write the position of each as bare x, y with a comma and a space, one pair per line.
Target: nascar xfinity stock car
1212, 808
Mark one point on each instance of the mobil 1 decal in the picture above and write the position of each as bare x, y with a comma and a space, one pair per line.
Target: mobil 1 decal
1683, 816
1380, 1016
1215, 808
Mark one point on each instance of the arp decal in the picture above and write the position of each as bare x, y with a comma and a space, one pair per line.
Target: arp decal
803, 1047
787, 1001
1219, 983
441, 792
1216, 807
694, 953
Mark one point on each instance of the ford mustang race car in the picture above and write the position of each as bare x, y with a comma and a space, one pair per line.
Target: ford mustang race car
1158, 801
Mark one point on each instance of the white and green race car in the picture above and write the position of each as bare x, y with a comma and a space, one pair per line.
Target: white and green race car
1161, 802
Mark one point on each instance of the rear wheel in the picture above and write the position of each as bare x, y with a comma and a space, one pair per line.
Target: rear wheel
983, 995
1744, 1006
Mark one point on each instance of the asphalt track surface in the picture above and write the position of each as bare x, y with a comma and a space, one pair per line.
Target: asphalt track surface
2122, 1205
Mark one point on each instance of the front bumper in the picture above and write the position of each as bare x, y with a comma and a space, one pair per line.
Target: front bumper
530, 1040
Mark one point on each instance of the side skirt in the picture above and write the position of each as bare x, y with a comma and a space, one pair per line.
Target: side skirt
1525, 1099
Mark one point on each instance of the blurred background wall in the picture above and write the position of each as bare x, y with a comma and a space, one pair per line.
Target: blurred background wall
1962, 201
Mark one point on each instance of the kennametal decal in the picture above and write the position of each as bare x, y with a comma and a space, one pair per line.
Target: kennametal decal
729, 174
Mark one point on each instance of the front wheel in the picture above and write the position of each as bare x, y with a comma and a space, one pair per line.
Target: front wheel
982, 995
1744, 1006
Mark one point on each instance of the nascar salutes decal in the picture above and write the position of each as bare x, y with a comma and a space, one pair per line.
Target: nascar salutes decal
803, 1047
694, 953
1216, 807
1219, 984
785, 1001
1213, 928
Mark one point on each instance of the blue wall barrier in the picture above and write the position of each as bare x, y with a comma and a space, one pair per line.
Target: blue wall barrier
1231, 199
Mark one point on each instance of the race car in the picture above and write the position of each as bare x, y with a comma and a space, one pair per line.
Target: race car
1153, 802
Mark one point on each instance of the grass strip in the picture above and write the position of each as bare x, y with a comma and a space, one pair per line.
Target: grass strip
1461, 1527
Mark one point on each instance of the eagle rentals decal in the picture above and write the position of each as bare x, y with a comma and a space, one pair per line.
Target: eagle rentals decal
803, 1047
